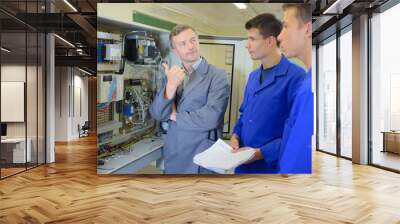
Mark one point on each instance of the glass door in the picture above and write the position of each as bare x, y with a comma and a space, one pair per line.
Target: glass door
327, 127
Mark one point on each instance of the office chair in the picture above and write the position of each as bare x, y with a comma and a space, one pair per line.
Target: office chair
84, 130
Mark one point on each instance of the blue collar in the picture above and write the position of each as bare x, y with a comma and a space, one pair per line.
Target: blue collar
280, 68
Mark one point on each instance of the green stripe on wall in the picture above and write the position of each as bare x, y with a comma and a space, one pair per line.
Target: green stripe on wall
152, 21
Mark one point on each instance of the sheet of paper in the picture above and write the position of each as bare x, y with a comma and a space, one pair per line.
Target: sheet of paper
220, 159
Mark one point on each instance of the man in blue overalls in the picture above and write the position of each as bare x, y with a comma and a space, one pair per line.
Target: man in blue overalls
268, 98
295, 39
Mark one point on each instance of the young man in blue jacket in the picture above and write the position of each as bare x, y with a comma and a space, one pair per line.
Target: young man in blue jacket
268, 98
295, 39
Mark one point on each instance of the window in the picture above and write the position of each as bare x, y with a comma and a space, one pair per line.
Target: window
385, 89
327, 96
346, 93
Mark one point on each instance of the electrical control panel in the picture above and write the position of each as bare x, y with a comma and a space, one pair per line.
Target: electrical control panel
140, 49
125, 94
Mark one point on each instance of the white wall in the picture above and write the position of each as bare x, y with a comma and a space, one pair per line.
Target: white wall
61, 103
12, 73
33, 126
69, 85
80, 83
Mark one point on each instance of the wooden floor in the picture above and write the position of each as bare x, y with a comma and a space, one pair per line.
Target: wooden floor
10, 171
386, 159
70, 191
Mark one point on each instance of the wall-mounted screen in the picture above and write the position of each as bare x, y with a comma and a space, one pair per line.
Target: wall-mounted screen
12, 101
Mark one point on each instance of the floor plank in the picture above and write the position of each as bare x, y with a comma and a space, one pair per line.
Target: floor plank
70, 191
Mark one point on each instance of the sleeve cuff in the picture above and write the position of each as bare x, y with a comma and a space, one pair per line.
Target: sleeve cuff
270, 152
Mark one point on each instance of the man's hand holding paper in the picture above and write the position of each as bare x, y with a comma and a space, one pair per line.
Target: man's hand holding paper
221, 158
257, 154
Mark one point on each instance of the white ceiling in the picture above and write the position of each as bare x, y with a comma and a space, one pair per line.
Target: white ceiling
224, 14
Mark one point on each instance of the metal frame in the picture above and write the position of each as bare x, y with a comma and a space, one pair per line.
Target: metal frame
37, 93
317, 94
369, 97
317, 97
338, 34
44, 75
26, 88
338, 98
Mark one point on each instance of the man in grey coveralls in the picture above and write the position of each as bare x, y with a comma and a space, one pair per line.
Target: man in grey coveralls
193, 100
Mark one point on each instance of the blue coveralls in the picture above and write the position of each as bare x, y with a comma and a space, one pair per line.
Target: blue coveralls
296, 157
264, 112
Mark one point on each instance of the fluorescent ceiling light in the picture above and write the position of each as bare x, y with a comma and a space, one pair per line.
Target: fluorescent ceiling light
86, 72
70, 5
5, 50
240, 5
338, 6
65, 41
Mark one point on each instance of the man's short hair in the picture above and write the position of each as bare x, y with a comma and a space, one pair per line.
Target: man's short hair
177, 30
266, 23
303, 11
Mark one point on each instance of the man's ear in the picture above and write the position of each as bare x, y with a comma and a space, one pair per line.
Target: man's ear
272, 41
309, 29
268, 41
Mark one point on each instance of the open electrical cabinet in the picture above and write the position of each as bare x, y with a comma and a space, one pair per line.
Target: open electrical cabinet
128, 78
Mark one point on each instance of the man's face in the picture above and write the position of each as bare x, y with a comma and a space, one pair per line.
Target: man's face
293, 36
187, 46
257, 45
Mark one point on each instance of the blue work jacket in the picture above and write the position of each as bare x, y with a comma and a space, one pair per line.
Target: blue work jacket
264, 113
296, 157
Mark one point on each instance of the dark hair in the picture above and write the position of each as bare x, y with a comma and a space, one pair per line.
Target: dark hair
177, 30
303, 11
266, 23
